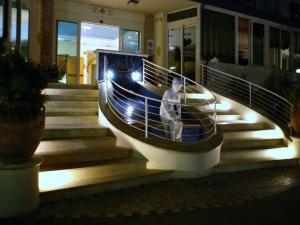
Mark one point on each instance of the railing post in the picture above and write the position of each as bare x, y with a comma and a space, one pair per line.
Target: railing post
250, 95
146, 117
143, 71
184, 89
202, 75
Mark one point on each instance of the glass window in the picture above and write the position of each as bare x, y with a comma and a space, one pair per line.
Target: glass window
218, 36
174, 50
67, 50
274, 47
131, 41
285, 50
24, 40
13, 32
258, 44
296, 51
244, 41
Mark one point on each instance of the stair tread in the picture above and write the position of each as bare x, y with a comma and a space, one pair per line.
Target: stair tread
224, 150
72, 86
72, 110
73, 126
248, 161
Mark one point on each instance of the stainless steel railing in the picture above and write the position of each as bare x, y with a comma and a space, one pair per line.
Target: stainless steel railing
142, 112
264, 101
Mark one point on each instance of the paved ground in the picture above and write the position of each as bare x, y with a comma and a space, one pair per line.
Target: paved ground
270, 196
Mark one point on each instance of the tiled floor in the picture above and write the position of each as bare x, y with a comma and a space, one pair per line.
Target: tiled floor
231, 196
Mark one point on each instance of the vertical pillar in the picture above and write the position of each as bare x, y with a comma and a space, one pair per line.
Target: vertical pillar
47, 15
19, 12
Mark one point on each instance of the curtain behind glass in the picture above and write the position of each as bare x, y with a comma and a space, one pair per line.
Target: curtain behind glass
218, 36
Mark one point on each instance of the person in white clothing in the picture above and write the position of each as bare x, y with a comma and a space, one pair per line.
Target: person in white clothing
170, 117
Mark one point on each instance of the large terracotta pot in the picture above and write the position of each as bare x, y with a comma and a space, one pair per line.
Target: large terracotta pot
19, 140
296, 118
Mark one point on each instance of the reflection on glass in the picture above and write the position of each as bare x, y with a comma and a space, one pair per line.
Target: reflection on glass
258, 44
285, 50
243, 41
189, 52
24, 44
67, 50
95, 36
174, 50
296, 50
131, 41
274, 47
13, 33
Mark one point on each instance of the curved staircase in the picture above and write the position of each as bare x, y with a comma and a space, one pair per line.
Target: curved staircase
79, 156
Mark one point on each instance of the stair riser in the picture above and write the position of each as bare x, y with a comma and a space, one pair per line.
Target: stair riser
49, 197
70, 113
258, 134
76, 159
241, 127
71, 92
76, 120
74, 98
268, 154
231, 144
71, 105
58, 134
253, 166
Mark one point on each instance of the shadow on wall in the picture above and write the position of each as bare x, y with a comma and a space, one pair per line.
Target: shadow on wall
270, 78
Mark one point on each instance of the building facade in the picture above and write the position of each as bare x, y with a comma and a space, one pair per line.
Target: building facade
180, 36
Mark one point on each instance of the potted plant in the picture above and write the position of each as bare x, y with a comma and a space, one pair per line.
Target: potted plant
22, 111
54, 72
296, 109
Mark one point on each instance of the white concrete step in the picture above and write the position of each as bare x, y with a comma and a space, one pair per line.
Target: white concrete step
71, 105
62, 154
72, 86
258, 134
70, 183
250, 143
72, 98
272, 153
52, 120
241, 125
226, 166
67, 92
74, 131
71, 112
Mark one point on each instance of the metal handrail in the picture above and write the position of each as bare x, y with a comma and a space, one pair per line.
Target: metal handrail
258, 98
144, 115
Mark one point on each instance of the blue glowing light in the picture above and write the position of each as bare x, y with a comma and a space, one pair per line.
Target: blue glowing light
110, 74
136, 76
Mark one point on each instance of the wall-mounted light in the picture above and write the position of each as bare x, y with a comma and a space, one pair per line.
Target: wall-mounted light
133, 2
136, 76
110, 74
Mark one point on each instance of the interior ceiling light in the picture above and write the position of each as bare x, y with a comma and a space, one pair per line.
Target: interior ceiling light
133, 2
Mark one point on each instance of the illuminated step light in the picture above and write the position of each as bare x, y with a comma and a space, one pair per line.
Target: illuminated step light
52, 180
251, 117
136, 76
298, 71
224, 106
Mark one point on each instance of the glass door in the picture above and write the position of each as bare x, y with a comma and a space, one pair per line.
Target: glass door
189, 52
93, 37
182, 50
244, 41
